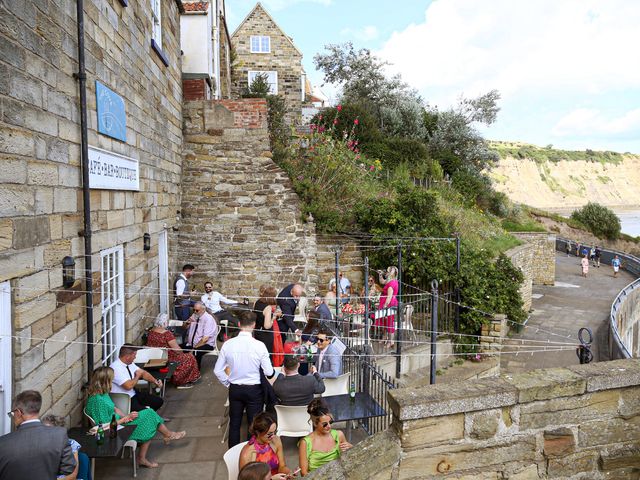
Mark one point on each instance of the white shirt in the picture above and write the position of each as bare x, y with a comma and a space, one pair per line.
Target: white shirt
121, 375
180, 284
212, 301
244, 355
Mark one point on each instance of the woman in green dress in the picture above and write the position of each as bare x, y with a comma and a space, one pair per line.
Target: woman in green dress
101, 409
324, 444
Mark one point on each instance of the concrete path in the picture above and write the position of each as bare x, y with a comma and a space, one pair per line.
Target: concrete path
573, 302
199, 456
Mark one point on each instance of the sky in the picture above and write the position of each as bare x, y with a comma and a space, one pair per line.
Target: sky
567, 70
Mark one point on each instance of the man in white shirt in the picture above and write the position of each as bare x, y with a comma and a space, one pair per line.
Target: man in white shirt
212, 300
244, 357
126, 375
344, 290
182, 302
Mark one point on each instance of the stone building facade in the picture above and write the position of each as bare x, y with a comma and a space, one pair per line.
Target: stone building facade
41, 208
241, 222
261, 46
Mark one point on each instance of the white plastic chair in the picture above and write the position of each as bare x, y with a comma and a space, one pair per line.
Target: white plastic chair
232, 460
336, 386
143, 355
293, 421
225, 421
175, 323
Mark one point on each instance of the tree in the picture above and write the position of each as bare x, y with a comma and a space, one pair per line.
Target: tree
454, 133
599, 220
397, 107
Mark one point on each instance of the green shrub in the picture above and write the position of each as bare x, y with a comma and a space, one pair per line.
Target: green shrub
259, 87
392, 151
279, 131
352, 120
599, 220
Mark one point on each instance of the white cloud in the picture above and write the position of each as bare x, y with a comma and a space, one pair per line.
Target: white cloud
366, 33
520, 48
589, 122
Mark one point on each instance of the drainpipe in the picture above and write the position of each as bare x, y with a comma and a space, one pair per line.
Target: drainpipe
216, 50
81, 76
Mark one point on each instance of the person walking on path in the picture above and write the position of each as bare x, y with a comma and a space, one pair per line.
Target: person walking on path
568, 247
585, 266
598, 255
578, 247
592, 256
615, 263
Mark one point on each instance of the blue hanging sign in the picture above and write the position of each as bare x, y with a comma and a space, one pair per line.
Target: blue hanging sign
112, 119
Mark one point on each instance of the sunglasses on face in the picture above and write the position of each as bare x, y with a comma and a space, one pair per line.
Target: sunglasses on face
322, 340
326, 424
12, 413
270, 434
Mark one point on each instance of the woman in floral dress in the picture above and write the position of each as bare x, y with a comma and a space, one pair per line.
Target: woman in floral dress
101, 409
187, 371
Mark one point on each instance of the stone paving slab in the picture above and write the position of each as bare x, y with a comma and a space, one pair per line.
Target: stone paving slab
573, 302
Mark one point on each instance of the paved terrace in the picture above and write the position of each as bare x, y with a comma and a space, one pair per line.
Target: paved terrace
199, 456
573, 302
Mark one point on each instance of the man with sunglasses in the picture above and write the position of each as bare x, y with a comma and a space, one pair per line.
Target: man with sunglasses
328, 359
34, 450
212, 299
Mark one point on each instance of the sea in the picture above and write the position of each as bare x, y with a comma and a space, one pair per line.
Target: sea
630, 222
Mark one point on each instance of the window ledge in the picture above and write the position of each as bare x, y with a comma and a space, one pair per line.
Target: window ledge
160, 53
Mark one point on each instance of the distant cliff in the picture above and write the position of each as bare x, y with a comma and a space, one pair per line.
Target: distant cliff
555, 179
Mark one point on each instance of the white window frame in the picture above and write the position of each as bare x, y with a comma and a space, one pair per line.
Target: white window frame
112, 302
251, 74
156, 22
262, 45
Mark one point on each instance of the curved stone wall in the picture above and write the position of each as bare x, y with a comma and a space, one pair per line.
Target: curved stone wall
624, 320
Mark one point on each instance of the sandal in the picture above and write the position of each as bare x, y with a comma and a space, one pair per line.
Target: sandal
174, 436
147, 464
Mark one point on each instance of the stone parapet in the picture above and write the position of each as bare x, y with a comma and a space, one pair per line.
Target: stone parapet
577, 422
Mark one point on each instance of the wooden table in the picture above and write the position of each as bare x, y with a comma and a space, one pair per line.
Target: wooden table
345, 410
110, 448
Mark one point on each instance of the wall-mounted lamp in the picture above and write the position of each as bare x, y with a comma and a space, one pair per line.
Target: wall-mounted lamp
68, 271
147, 242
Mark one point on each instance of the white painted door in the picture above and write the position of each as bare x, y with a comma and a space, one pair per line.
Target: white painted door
163, 270
6, 366
112, 301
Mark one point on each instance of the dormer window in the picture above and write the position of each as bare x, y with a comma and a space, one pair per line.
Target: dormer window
260, 44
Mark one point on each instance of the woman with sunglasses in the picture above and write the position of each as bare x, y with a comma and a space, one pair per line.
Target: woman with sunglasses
265, 446
324, 444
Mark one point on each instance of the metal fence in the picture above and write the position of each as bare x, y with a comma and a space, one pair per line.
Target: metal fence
417, 310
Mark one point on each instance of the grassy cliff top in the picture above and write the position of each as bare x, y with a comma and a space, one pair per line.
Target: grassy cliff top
550, 154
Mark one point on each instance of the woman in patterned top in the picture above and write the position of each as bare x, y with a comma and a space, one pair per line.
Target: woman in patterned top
265, 446
101, 409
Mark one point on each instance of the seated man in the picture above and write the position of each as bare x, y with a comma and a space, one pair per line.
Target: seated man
202, 332
34, 450
212, 300
328, 359
293, 389
126, 375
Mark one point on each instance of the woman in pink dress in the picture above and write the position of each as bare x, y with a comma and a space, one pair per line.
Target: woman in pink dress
388, 299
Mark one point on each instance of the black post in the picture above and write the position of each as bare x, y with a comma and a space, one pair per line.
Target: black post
434, 329
457, 290
366, 303
337, 272
398, 316
81, 76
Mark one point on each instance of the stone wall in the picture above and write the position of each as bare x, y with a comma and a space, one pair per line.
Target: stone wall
536, 258
351, 262
284, 58
40, 182
544, 256
581, 422
241, 221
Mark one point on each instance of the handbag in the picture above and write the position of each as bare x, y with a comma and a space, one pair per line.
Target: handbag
277, 357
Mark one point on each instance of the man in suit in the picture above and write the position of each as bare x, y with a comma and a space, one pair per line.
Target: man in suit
293, 389
328, 359
326, 318
34, 450
288, 300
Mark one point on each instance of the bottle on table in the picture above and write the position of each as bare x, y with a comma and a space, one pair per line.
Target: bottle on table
113, 427
352, 392
100, 435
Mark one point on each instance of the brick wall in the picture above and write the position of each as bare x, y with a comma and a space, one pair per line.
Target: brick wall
580, 422
195, 89
241, 222
40, 182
